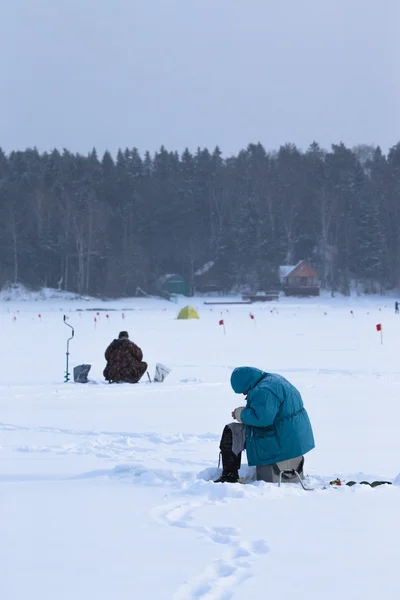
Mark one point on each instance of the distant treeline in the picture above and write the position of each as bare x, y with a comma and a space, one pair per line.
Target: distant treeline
105, 227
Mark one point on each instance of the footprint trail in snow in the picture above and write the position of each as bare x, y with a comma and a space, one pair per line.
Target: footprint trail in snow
223, 575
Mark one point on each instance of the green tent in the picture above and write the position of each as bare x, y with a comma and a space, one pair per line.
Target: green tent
188, 313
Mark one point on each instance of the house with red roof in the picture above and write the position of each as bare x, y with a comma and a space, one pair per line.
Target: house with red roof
299, 280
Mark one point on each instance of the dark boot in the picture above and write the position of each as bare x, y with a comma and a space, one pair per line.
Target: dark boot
228, 477
230, 462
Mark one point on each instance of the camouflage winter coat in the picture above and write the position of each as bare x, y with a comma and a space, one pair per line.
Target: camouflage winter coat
124, 361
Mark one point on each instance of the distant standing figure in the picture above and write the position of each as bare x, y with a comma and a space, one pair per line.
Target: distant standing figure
124, 361
396, 307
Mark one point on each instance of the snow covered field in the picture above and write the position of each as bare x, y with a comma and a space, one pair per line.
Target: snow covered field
105, 491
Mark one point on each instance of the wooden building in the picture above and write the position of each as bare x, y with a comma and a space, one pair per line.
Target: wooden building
299, 280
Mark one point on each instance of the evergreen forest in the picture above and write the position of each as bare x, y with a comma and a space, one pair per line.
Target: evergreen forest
106, 226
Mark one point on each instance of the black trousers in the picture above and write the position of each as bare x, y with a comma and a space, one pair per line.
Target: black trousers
230, 461
270, 473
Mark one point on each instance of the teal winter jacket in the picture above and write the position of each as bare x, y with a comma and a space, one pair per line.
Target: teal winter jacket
277, 424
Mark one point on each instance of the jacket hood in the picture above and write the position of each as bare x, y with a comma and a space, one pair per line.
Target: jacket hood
244, 379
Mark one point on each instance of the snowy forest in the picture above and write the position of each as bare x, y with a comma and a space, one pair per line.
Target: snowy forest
106, 226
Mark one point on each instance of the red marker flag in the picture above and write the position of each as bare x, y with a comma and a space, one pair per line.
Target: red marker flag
379, 328
222, 322
251, 316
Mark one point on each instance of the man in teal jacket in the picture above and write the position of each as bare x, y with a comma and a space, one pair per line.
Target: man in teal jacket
277, 427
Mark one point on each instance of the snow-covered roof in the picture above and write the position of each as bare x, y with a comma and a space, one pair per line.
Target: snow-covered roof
285, 270
209, 265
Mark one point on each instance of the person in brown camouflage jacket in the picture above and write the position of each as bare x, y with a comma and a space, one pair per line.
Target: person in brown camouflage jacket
124, 361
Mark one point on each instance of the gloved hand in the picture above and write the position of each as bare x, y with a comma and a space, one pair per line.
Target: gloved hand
237, 412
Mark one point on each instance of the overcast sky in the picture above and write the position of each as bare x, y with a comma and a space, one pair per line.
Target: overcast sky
118, 73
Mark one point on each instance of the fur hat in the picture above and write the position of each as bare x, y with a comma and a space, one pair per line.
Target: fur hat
123, 334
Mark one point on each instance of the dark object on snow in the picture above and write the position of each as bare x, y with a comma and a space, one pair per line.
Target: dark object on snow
124, 361
339, 482
396, 308
81, 373
372, 483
